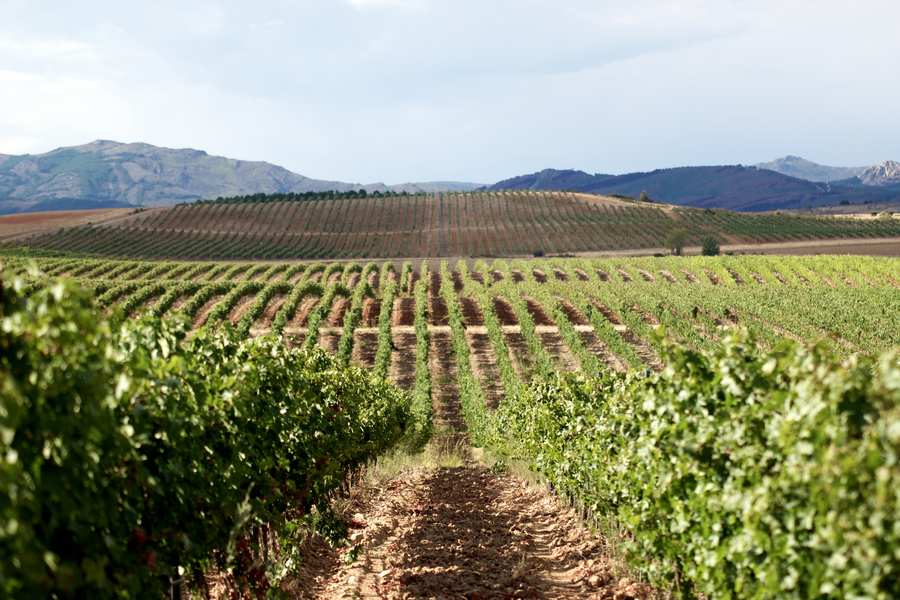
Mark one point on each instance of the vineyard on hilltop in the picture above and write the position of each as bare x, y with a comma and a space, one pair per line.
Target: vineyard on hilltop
480, 224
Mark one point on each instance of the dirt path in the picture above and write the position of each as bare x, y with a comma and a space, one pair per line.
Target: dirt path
466, 532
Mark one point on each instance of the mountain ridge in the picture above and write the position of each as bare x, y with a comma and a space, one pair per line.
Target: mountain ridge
105, 172
735, 187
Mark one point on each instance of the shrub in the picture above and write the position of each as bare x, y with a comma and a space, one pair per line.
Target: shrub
739, 473
130, 457
709, 246
676, 240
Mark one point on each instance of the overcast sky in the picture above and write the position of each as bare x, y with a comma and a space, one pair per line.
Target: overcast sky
478, 90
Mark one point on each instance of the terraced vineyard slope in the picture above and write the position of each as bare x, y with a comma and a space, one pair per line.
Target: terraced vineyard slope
481, 224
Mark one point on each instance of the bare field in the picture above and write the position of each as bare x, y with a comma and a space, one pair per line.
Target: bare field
26, 224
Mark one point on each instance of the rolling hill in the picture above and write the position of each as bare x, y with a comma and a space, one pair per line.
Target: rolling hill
478, 224
106, 174
733, 187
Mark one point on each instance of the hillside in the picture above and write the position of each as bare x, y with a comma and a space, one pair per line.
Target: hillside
796, 166
482, 224
106, 174
733, 187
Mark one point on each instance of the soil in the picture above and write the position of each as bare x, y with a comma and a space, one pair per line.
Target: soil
603, 275
404, 314
471, 312
484, 364
505, 312
203, 311
517, 276
538, 315
301, 315
329, 340
539, 276
371, 311
519, 354
402, 372
365, 347
557, 348
264, 322
581, 275
601, 351
668, 276
560, 275
241, 307
338, 309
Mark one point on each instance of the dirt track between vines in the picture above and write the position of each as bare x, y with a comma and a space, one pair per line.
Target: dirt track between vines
463, 532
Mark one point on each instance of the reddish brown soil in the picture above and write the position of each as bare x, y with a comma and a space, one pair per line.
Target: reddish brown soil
689, 276
402, 371
457, 281
329, 341
603, 275
471, 312
575, 316
607, 312
437, 311
371, 311
338, 309
334, 278
713, 278
538, 315
484, 364
463, 532
477, 276
240, 307
517, 276
667, 275
601, 351
203, 312
560, 275
25, 224
446, 411
497, 276
504, 312
646, 275
539, 276
646, 316
301, 315
581, 275
624, 275
365, 347
736, 276
373, 279
518, 353
353, 279
264, 322
404, 313
779, 277
758, 278
559, 351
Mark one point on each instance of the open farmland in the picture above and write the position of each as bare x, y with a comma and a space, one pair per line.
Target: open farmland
482, 349
481, 224
23, 225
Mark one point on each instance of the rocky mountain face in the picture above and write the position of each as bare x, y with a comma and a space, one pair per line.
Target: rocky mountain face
885, 174
106, 173
795, 166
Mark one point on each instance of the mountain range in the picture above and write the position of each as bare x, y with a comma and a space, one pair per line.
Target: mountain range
105, 174
787, 183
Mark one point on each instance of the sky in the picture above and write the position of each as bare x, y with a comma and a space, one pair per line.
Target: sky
471, 90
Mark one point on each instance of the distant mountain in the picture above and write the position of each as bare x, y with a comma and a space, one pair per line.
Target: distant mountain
106, 173
795, 166
731, 186
884, 174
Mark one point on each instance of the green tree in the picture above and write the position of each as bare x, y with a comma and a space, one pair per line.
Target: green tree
710, 246
676, 240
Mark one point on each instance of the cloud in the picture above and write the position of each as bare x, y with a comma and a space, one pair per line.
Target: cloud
400, 90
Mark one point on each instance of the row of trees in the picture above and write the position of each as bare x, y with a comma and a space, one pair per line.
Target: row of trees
300, 196
709, 246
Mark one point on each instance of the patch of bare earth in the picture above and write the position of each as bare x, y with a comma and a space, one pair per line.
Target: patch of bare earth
203, 312
465, 532
264, 321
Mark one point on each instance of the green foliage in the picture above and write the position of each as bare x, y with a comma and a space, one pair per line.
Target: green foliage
739, 473
676, 240
130, 457
709, 246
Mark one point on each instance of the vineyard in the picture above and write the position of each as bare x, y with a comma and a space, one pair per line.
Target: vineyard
676, 396
480, 224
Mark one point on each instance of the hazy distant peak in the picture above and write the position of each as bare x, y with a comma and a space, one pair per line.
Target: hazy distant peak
801, 168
